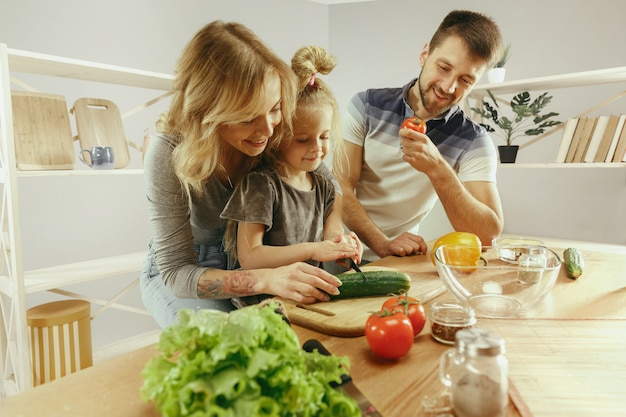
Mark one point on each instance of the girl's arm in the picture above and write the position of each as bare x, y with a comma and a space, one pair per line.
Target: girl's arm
334, 230
252, 253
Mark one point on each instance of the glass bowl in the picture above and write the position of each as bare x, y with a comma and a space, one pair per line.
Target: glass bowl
498, 288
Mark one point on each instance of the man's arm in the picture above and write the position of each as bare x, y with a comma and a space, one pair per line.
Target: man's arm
473, 206
356, 218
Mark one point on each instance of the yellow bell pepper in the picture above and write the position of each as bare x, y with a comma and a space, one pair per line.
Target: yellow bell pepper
467, 254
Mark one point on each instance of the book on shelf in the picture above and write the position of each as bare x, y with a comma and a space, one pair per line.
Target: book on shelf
620, 149
566, 140
607, 137
595, 139
580, 126
585, 137
616, 135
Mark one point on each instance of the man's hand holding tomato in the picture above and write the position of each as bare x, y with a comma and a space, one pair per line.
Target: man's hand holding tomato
417, 148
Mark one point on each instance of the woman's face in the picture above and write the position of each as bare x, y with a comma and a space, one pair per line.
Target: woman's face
251, 137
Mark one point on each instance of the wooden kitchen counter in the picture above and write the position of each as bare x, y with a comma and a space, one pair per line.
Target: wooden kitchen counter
566, 358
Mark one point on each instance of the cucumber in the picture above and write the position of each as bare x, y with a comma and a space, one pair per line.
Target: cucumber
372, 283
574, 262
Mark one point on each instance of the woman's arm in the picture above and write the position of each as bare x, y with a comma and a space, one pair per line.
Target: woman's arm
300, 282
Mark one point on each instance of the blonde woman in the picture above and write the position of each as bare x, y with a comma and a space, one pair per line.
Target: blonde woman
286, 212
231, 93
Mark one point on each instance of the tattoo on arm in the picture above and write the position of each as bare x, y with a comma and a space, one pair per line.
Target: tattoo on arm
233, 283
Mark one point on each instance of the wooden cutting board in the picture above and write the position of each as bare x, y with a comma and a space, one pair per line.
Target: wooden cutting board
346, 318
99, 123
42, 131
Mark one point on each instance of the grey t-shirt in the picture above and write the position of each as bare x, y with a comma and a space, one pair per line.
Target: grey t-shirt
290, 215
178, 222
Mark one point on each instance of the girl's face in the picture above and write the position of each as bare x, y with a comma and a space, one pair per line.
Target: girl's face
309, 145
251, 137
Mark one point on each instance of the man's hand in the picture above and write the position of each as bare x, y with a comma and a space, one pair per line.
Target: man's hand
404, 245
419, 151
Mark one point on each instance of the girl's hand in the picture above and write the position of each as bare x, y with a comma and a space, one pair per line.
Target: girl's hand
357, 245
352, 239
331, 250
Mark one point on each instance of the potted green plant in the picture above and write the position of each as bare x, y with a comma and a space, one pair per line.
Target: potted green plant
498, 72
527, 120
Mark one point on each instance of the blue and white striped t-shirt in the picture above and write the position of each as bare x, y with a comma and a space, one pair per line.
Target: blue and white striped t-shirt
394, 194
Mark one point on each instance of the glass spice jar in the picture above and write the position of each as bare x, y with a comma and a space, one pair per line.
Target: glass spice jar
531, 265
476, 373
448, 318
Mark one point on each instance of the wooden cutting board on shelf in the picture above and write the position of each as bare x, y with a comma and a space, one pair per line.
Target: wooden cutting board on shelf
346, 318
99, 123
42, 131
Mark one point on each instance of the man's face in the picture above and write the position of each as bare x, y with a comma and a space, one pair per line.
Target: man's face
448, 75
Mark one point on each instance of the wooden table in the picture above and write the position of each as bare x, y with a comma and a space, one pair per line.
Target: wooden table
566, 357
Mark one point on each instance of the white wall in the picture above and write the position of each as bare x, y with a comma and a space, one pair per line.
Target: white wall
378, 43
72, 219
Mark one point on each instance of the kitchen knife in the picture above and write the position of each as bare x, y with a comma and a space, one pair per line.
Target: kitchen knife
348, 387
356, 268
354, 265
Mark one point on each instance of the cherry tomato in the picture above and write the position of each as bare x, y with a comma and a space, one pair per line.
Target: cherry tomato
410, 307
414, 123
467, 253
389, 334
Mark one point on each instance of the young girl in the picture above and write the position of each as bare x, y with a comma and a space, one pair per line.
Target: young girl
230, 93
287, 212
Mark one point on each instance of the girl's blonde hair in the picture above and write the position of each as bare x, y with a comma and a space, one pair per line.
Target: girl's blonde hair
306, 63
219, 80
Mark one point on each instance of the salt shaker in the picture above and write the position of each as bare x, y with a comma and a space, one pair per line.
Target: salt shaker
476, 373
531, 264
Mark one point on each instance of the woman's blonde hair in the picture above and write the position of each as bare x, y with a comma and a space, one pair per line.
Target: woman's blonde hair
219, 79
306, 63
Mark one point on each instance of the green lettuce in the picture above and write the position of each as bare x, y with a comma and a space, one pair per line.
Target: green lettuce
242, 364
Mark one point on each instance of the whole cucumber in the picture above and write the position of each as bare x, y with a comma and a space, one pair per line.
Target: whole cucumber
372, 283
574, 262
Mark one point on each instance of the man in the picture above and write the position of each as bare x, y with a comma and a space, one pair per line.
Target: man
396, 175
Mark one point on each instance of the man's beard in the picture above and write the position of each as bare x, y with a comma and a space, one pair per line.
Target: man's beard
429, 106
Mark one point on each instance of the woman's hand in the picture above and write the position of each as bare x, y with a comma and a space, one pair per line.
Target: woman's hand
300, 282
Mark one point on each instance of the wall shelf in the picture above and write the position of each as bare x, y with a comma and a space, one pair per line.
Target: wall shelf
15, 281
559, 81
584, 165
576, 79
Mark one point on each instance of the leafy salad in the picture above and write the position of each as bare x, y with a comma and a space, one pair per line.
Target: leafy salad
244, 363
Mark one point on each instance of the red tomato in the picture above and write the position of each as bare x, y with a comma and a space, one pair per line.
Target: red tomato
414, 123
389, 334
410, 307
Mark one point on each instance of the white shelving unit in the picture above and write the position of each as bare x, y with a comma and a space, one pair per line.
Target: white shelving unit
15, 282
572, 80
